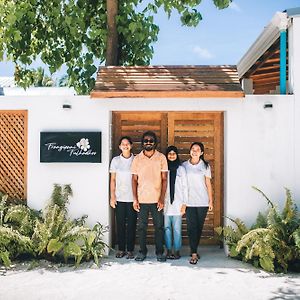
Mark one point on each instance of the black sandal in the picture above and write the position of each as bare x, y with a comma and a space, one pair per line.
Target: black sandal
170, 255
120, 254
130, 255
177, 255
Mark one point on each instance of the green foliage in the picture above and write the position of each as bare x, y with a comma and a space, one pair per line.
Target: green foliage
32, 77
273, 242
3, 207
56, 234
74, 32
261, 221
12, 244
93, 244
60, 196
222, 3
296, 236
22, 218
232, 235
48, 234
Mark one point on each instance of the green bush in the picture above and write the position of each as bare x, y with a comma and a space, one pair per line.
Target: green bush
272, 243
49, 234
12, 241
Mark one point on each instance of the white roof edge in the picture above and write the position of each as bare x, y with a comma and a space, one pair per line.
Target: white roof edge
270, 34
37, 91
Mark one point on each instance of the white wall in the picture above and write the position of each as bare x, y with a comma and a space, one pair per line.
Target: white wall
294, 75
259, 148
89, 181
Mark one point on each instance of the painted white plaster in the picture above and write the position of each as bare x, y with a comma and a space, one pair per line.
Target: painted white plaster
294, 77
259, 148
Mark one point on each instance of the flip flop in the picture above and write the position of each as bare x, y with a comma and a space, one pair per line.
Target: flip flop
130, 255
170, 255
140, 257
177, 255
120, 254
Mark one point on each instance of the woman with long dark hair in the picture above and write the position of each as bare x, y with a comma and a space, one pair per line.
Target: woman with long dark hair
200, 198
175, 199
121, 198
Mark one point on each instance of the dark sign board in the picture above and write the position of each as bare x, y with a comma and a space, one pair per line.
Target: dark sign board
83, 147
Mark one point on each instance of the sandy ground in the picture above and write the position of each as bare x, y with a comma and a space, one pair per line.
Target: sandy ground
214, 277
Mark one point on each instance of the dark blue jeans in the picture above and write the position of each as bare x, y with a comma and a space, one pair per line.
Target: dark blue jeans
195, 217
126, 225
158, 222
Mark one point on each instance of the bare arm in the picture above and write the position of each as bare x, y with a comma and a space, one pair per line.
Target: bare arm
184, 183
164, 183
113, 199
209, 191
136, 205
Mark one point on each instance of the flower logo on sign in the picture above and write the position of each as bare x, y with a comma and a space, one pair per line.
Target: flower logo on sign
83, 144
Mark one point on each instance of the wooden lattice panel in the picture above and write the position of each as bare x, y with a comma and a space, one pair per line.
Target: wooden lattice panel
180, 129
13, 152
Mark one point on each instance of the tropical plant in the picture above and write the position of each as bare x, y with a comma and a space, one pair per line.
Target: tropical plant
232, 235
58, 235
22, 218
273, 243
12, 242
94, 246
49, 234
3, 207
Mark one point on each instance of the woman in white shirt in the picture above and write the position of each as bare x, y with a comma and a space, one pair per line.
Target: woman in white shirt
121, 198
200, 198
175, 199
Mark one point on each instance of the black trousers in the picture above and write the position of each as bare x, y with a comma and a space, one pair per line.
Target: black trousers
158, 221
195, 217
126, 225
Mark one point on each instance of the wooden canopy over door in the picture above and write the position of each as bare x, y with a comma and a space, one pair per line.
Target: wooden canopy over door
180, 129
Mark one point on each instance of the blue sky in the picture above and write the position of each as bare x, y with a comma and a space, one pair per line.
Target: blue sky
222, 37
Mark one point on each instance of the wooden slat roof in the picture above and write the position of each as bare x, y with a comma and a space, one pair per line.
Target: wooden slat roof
265, 71
167, 81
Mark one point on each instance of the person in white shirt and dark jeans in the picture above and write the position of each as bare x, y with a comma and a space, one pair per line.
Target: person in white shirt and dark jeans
200, 198
121, 198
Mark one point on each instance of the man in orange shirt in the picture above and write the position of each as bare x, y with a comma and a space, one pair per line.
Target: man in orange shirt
149, 184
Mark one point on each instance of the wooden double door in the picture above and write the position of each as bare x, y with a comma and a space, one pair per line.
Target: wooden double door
179, 129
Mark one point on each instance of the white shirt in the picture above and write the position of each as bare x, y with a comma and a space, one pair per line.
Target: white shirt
180, 193
122, 167
197, 190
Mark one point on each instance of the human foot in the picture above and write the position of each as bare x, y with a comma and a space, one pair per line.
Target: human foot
194, 259
120, 254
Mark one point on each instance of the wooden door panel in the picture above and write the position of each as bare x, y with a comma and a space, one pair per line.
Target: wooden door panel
180, 129
135, 124
184, 128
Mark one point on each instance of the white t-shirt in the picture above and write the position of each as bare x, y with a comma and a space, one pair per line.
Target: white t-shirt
180, 193
197, 190
122, 167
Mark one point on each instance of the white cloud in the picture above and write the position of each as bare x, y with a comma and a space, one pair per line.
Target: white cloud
202, 52
235, 7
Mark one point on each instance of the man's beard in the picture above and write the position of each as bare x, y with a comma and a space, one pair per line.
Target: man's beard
149, 147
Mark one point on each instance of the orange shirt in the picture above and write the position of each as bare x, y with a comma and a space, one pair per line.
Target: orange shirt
149, 171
